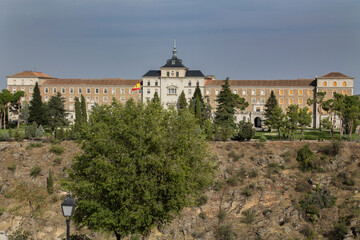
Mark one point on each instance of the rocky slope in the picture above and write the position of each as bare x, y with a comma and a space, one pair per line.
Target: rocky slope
260, 193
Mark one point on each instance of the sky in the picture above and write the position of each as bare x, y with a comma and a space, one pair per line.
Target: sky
239, 39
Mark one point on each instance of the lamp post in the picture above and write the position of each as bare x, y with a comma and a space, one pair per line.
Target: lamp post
67, 208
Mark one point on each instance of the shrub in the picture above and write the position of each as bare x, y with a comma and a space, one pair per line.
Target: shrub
197, 235
12, 167
35, 171
262, 138
4, 136
340, 231
50, 183
232, 181
253, 173
248, 190
19, 234
218, 185
57, 161
202, 215
18, 135
225, 232
33, 145
267, 211
39, 133
234, 156
332, 149
221, 216
305, 158
308, 233
302, 186
57, 149
246, 131
249, 217
202, 200
286, 156
30, 130
2, 210
59, 134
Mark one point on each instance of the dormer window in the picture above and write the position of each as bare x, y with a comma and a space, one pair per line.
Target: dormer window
173, 62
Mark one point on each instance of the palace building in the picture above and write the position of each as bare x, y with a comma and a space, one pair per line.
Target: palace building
173, 78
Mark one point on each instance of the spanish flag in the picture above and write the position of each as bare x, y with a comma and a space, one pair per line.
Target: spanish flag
136, 87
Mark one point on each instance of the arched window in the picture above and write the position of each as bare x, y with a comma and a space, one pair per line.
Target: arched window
334, 84
344, 84
325, 84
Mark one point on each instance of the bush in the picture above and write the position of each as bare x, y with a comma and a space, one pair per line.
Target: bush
262, 138
30, 130
248, 190
340, 231
12, 167
39, 133
33, 145
50, 183
202, 200
57, 161
232, 181
249, 217
59, 134
57, 149
308, 233
19, 234
2, 210
35, 171
253, 173
246, 131
218, 185
332, 149
302, 186
221, 216
202, 215
234, 156
18, 135
305, 158
225, 232
4, 136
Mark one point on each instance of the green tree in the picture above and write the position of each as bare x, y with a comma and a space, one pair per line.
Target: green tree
37, 111
16, 103
304, 119
276, 119
208, 128
293, 115
318, 102
339, 106
198, 110
351, 113
329, 106
78, 115
270, 105
50, 183
224, 115
83, 109
182, 101
156, 98
5, 99
137, 171
56, 112
245, 131
24, 112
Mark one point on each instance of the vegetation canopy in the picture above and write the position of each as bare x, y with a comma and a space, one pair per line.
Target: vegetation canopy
141, 164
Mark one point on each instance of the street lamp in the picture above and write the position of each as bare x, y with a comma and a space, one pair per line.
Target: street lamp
67, 208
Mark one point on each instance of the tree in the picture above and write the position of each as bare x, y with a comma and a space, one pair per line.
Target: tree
318, 102
304, 119
78, 115
339, 106
245, 131
293, 115
182, 101
5, 99
276, 119
50, 183
198, 112
351, 113
16, 102
37, 111
24, 112
270, 105
56, 111
224, 116
329, 106
156, 98
136, 171
83, 109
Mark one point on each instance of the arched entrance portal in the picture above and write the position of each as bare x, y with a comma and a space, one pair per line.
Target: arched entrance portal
257, 122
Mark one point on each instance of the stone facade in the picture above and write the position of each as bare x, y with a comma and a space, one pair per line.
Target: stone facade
172, 79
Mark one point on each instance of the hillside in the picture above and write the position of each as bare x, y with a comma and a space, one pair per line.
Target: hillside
260, 193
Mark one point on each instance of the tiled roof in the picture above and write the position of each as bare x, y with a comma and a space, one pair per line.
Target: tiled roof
261, 83
92, 82
335, 75
31, 74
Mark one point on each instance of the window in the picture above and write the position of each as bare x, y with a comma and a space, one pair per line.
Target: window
309, 92
300, 92
54, 90
235, 91
105, 91
71, 107
46, 98
130, 91
172, 91
122, 99
177, 74
207, 91
96, 90
113, 91
173, 62
96, 99
189, 91
46, 90
88, 90
325, 84
71, 99
156, 83
290, 101
281, 92
253, 100
88, 99
257, 109
148, 91
290, 92
344, 84
253, 92
334, 92
105, 99
79, 90
300, 101
244, 92
262, 92
334, 84
281, 101
262, 100
14, 81
71, 90
31, 90
14, 89
62, 90
189, 83
23, 89
216, 92
140, 91
344, 92
168, 74
122, 91
148, 82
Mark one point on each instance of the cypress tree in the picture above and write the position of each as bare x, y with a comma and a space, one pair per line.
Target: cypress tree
56, 112
182, 101
78, 114
156, 98
270, 105
198, 110
83, 109
37, 108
